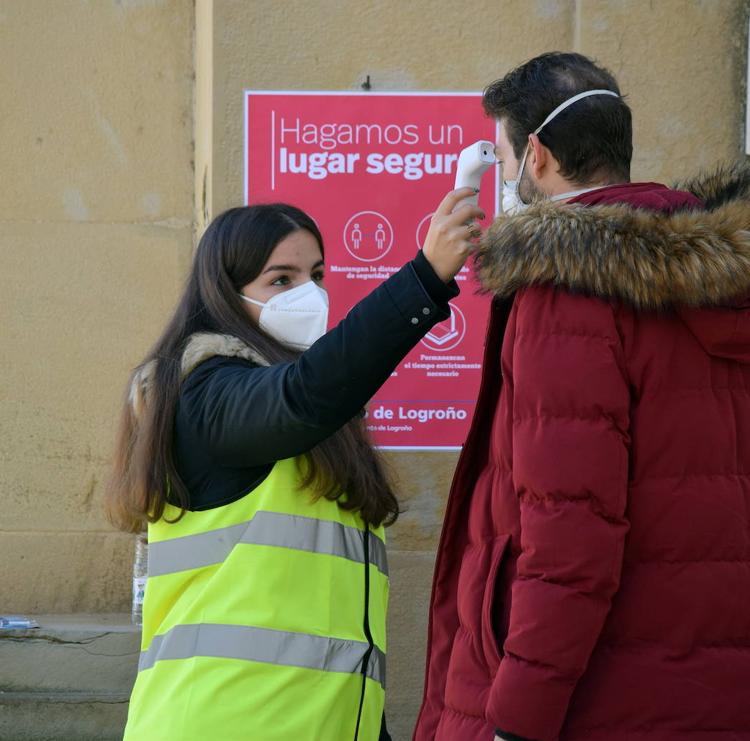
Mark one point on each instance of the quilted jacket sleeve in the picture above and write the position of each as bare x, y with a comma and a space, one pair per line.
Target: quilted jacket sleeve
570, 472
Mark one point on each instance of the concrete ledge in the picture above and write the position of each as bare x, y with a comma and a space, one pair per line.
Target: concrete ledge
69, 698
41, 720
69, 679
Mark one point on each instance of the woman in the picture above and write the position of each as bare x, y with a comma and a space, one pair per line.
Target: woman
243, 445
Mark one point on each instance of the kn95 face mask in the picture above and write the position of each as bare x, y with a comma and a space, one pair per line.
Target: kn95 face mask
512, 203
297, 317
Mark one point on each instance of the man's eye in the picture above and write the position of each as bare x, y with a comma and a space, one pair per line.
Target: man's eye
281, 281
318, 277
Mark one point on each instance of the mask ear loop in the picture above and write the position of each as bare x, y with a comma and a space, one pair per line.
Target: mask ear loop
555, 112
250, 300
570, 101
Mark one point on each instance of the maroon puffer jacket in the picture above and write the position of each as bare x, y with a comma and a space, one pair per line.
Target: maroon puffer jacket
593, 576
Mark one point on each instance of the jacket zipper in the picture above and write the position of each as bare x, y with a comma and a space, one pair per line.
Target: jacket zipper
367, 631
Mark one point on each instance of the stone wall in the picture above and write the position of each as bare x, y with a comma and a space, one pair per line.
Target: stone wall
108, 105
96, 213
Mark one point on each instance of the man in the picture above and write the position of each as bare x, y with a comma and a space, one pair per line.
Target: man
593, 577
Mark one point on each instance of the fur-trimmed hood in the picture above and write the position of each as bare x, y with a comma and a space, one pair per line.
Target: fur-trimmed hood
648, 259
198, 348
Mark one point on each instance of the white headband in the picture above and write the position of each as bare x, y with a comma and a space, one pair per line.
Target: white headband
570, 101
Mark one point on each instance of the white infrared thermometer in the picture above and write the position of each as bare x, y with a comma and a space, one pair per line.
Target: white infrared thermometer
473, 162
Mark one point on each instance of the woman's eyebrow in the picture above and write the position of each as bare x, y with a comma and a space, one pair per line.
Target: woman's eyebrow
285, 268
292, 268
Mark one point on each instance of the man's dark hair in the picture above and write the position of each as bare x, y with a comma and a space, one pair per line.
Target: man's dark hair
592, 139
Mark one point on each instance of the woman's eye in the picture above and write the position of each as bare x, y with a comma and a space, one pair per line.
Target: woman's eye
281, 281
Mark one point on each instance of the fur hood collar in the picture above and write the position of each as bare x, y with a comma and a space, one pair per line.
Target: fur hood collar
648, 259
198, 348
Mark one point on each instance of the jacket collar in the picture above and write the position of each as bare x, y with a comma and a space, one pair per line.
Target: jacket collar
199, 347
648, 259
204, 345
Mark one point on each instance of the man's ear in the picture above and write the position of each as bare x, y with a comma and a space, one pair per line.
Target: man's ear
539, 156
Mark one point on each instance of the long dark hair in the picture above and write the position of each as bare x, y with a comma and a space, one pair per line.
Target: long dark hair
232, 252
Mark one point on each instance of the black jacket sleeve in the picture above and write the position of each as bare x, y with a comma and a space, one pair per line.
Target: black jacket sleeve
245, 416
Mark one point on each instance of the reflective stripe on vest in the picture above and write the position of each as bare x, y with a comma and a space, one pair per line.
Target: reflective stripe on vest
265, 528
266, 646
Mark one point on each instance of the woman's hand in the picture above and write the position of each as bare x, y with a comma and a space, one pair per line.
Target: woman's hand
448, 243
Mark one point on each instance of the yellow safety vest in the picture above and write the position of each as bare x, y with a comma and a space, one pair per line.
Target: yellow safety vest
263, 619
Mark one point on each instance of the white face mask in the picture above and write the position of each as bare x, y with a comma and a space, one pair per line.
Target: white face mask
512, 203
511, 196
296, 317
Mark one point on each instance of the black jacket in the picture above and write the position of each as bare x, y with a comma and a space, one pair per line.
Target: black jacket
235, 419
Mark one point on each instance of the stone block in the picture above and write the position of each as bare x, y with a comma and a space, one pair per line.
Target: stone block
69, 680
62, 718
401, 46
411, 586
97, 118
75, 571
682, 65
81, 306
423, 481
75, 654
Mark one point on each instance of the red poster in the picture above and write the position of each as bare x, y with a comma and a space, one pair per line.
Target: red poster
370, 168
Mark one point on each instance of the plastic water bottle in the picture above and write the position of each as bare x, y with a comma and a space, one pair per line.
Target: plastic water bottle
17, 622
140, 572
